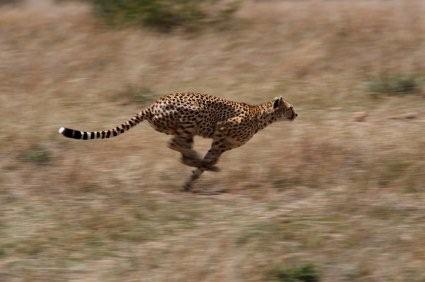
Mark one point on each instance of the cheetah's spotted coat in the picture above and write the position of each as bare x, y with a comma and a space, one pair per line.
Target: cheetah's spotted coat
184, 115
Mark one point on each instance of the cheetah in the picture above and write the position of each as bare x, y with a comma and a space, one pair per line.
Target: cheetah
185, 115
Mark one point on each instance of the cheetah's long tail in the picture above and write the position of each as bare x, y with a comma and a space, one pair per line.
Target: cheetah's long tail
85, 135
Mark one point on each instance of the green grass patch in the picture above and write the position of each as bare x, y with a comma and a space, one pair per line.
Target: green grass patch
393, 85
304, 273
163, 15
6, 2
391, 170
37, 154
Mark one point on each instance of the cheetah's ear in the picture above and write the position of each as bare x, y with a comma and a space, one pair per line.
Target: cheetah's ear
277, 102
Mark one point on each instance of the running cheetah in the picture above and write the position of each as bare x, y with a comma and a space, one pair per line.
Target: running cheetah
229, 124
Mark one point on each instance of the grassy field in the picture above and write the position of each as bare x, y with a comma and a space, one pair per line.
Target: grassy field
337, 195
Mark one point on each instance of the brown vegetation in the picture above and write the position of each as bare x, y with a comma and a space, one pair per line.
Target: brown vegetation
346, 197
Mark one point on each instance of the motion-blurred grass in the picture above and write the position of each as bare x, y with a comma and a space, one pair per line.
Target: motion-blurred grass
337, 195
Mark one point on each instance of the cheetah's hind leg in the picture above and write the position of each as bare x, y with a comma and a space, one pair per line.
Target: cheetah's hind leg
184, 144
188, 185
218, 147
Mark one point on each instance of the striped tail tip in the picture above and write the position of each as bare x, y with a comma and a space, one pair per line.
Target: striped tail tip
70, 133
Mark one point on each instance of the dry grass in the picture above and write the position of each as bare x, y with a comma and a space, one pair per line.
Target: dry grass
344, 196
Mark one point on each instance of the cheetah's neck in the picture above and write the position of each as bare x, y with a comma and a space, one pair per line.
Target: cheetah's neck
264, 115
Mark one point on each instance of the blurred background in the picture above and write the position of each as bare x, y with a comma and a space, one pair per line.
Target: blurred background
337, 195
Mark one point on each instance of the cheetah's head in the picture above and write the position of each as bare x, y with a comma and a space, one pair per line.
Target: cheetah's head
283, 109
